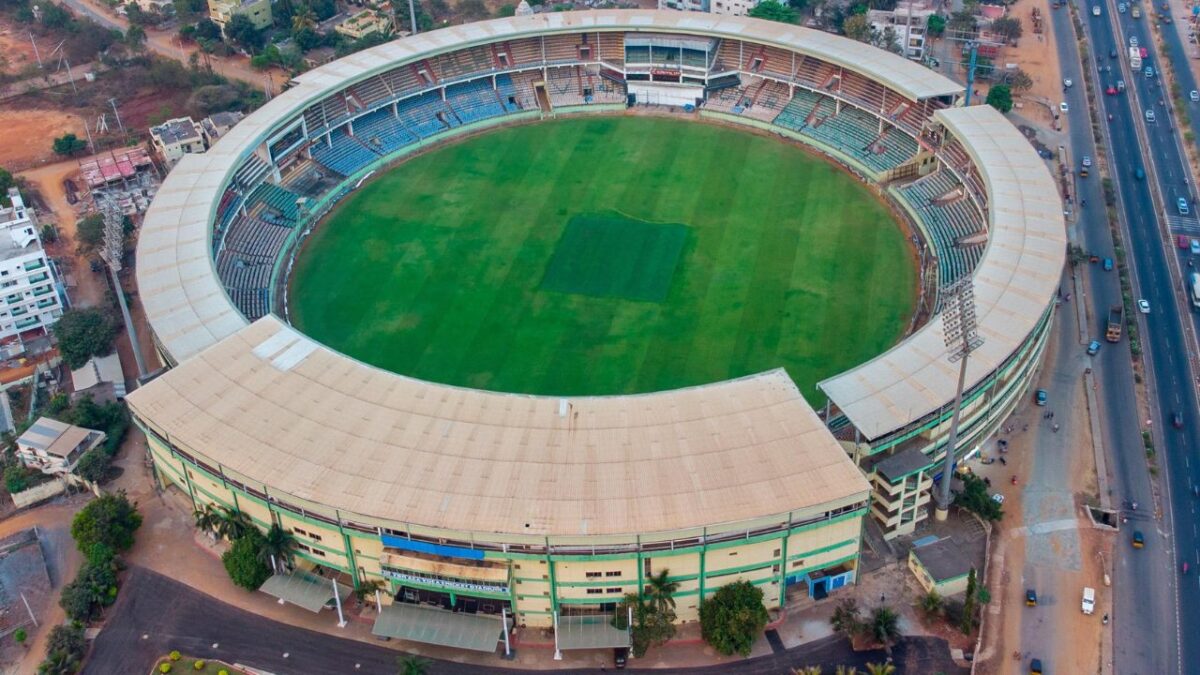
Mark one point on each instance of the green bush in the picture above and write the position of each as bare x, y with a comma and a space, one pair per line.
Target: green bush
222, 672
110, 520
242, 561
198, 665
733, 618
174, 655
164, 668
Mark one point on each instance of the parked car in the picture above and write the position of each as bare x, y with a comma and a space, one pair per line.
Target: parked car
620, 657
1041, 397
1063, 107
998, 498
1088, 605
1139, 541
1182, 205
1144, 306
1093, 348
1194, 246
1194, 95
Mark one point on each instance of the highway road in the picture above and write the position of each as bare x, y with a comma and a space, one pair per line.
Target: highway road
1146, 604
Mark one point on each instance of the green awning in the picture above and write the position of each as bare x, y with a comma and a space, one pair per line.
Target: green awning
303, 589
590, 632
430, 625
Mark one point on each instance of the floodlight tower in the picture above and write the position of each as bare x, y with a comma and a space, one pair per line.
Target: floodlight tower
112, 253
962, 337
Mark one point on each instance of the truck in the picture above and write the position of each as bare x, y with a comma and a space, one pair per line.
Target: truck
1116, 317
1089, 600
1135, 58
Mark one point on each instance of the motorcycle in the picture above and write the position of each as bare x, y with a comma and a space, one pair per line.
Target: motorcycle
1105, 618
1185, 569
1014, 480
1004, 461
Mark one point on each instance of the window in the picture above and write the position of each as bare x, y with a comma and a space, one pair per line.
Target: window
613, 574
503, 59
646, 567
616, 590
595, 591
299, 531
592, 575
776, 553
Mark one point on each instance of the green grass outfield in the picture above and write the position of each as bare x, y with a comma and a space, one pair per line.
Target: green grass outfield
456, 266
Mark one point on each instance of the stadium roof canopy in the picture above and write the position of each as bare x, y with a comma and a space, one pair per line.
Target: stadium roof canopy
1014, 284
271, 405
182, 296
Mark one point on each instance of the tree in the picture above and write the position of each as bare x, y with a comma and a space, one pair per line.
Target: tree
243, 564
278, 548
82, 334
93, 466
110, 520
962, 21
412, 665
506, 10
89, 231
847, 619
1017, 79
880, 668
214, 98
660, 591
69, 145
936, 25
94, 588
969, 605
885, 627
771, 10
304, 18
235, 524
1000, 97
1008, 27
20, 636
64, 650
886, 40
241, 31
651, 626
733, 618
366, 589
857, 28
931, 603
206, 29
16, 478
6, 181
473, 10
135, 38
974, 496
208, 518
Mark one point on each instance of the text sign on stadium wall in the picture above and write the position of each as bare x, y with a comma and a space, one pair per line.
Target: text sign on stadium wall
447, 584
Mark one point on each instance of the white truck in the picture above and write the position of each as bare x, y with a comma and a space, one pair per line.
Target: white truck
1089, 600
1135, 58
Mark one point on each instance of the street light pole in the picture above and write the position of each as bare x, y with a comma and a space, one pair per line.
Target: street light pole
961, 338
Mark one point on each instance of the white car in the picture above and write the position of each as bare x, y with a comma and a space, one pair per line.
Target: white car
1089, 600
1194, 95
1063, 107
1067, 83
1144, 306
1095, 10
1121, 8
998, 498
1132, 41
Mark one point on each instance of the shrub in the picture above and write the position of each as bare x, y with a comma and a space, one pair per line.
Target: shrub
222, 672
198, 665
20, 636
164, 668
175, 655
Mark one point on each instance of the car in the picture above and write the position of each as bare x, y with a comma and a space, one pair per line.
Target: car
1095, 10
1087, 161
1121, 7
1111, 90
1148, 71
1035, 667
1194, 96
1067, 83
620, 657
1093, 347
1139, 173
1182, 206
1120, 85
1139, 541
1108, 264
1150, 116
1132, 40
1030, 597
1063, 107
1112, 53
1194, 246
1182, 241
1143, 52
1088, 604
1041, 397
1135, 12
1144, 306
998, 498
1177, 419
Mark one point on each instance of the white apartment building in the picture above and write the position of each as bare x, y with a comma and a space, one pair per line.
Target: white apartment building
27, 281
727, 7
175, 138
909, 21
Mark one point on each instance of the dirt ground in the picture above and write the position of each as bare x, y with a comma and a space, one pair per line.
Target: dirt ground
1036, 55
16, 51
26, 136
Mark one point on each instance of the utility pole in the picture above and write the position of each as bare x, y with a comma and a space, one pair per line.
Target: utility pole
113, 103
112, 253
35, 49
962, 337
412, 16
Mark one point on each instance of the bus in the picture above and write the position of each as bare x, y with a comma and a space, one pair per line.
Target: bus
1194, 282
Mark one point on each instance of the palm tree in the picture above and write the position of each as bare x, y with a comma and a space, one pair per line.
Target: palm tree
881, 668
208, 519
661, 592
303, 18
367, 589
234, 524
807, 670
845, 670
278, 546
412, 665
846, 619
885, 627
931, 603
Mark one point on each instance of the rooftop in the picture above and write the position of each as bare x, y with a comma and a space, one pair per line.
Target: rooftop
272, 406
53, 437
176, 131
943, 559
897, 466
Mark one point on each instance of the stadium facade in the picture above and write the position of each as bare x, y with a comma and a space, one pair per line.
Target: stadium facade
543, 507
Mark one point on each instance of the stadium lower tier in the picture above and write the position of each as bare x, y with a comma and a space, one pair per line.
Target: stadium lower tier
534, 579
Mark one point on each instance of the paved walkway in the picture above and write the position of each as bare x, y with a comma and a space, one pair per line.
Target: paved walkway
155, 615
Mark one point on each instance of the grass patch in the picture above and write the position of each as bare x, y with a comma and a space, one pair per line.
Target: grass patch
442, 268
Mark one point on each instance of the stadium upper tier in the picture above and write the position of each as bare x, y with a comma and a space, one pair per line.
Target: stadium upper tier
261, 405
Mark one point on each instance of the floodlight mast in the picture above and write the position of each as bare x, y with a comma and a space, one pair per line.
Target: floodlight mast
111, 253
961, 338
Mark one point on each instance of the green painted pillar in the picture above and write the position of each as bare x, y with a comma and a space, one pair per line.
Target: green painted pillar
783, 553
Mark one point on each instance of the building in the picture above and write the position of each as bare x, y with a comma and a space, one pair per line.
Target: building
909, 22
217, 124
724, 7
319, 56
101, 378
164, 7
258, 11
494, 503
28, 282
940, 566
364, 23
55, 447
175, 138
